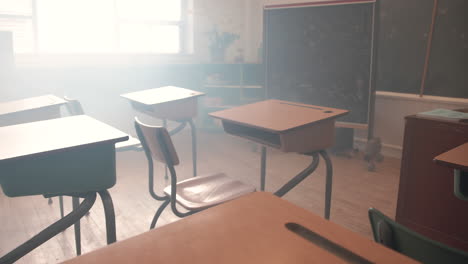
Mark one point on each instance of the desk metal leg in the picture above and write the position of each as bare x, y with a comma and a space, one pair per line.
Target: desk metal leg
110, 216
263, 169
299, 177
50, 231
328, 183
194, 146
165, 166
61, 206
309, 170
77, 227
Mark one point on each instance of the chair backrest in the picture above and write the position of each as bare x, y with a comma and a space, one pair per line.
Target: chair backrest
74, 106
157, 142
409, 243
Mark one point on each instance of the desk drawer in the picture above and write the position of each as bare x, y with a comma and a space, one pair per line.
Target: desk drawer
83, 169
174, 110
257, 135
32, 115
306, 139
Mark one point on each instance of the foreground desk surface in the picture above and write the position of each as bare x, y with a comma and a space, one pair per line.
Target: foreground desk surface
456, 158
30, 109
247, 230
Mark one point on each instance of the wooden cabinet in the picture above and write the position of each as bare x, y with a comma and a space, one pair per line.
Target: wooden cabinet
426, 200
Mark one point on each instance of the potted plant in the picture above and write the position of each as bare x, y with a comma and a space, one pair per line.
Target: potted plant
219, 42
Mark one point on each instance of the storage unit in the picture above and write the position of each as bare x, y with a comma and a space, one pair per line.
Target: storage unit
426, 200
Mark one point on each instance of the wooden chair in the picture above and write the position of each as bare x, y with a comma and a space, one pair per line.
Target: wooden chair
194, 194
409, 243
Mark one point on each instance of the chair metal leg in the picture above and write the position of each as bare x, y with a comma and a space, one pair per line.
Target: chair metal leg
110, 216
194, 146
77, 227
159, 212
61, 206
50, 231
299, 177
263, 169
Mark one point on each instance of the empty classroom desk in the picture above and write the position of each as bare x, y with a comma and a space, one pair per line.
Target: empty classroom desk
72, 156
290, 127
169, 103
30, 109
256, 228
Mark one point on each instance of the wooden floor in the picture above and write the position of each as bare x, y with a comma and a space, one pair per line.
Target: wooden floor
354, 191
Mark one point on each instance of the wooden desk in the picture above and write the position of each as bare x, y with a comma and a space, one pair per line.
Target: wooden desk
72, 156
172, 103
250, 229
457, 159
30, 109
290, 127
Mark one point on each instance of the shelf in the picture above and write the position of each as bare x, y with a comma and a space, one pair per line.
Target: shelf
233, 86
220, 106
228, 86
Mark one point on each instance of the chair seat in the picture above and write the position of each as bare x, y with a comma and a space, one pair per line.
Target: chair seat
131, 144
204, 191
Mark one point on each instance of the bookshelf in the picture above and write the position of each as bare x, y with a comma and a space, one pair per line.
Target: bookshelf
228, 85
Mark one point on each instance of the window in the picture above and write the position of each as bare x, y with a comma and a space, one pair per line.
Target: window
95, 26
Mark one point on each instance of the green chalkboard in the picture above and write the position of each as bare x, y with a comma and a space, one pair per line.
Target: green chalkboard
448, 64
404, 39
404, 30
321, 55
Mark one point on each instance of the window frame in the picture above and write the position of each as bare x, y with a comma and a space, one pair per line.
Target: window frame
183, 25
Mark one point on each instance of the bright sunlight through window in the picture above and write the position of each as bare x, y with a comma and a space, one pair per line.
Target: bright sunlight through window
94, 26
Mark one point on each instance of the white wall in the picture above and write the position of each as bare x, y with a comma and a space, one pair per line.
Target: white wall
228, 16
390, 111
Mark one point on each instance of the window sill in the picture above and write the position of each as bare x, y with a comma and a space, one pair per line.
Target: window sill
101, 60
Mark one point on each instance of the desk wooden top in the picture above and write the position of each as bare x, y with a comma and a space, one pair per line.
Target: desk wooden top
31, 103
456, 158
41, 137
161, 95
278, 116
250, 229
